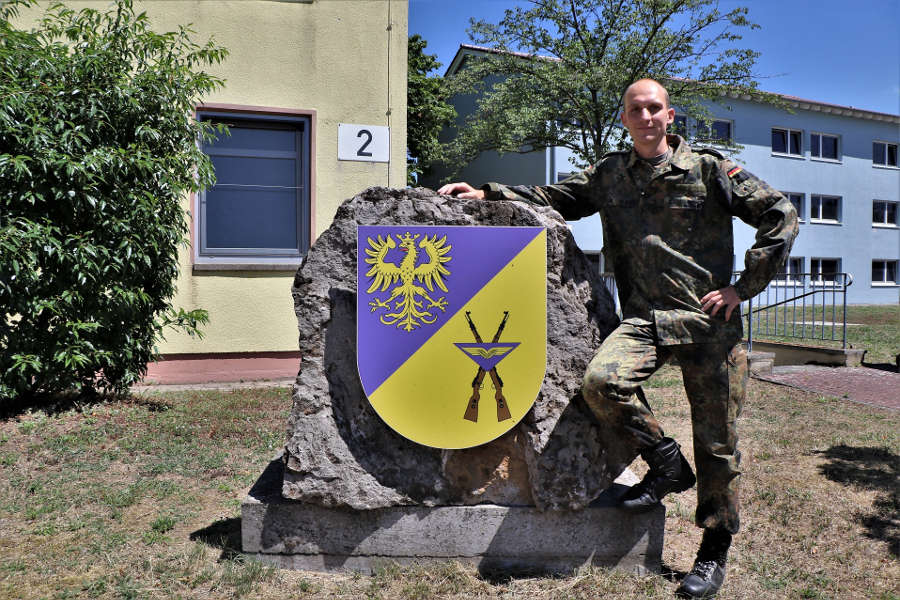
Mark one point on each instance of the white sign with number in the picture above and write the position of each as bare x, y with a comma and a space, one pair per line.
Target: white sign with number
370, 143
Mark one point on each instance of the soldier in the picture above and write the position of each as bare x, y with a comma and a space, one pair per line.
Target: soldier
666, 210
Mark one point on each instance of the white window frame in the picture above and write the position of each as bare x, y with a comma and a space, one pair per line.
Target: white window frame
885, 165
886, 282
885, 224
813, 270
821, 134
788, 154
791, 270
802, 210
814, 219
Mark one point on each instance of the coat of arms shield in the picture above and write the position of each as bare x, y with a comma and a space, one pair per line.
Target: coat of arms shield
451, 328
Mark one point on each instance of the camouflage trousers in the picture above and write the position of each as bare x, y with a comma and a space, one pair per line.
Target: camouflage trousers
715, 379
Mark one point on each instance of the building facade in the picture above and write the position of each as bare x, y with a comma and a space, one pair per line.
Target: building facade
315, 98
837, 164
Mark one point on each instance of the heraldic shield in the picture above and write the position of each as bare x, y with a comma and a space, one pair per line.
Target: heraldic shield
451, 328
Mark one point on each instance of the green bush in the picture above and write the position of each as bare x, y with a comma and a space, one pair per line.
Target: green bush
97, 149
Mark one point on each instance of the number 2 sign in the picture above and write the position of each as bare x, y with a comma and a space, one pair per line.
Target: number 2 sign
370, 143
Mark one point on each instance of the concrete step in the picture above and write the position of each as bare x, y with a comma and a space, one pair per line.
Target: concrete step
518, 539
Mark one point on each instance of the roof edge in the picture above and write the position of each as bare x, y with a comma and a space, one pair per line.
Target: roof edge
791, 101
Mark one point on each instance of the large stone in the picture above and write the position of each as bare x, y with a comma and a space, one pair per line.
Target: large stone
339, 453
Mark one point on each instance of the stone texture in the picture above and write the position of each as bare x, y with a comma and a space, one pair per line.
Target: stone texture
300, 535
340, 454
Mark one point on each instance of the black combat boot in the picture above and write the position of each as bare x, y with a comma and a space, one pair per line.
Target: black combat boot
669, 472
708, 573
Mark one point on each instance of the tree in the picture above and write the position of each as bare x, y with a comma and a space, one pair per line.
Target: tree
98, 148
427, 111
558, 70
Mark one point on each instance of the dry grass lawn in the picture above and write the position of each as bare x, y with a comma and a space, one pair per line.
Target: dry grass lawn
140, 499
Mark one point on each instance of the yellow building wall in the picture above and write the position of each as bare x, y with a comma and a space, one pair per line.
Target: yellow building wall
345, 60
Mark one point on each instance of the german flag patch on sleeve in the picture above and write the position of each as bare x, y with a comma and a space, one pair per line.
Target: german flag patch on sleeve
738, 174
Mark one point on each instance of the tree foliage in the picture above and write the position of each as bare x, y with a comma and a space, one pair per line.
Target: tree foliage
560, 67
427, 111
97, 149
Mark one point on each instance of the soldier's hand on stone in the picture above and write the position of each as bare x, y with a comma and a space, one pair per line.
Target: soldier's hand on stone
461, 189
716, 299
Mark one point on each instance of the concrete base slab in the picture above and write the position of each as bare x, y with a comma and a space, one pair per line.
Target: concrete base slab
516, 539
798, 354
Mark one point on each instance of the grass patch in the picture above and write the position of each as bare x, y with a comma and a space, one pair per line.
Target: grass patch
111, 498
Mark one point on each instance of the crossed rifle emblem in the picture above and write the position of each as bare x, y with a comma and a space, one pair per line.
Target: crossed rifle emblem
471, 413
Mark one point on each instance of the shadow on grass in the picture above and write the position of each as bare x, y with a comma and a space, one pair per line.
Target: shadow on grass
224, 534
872, 469
882, 367
56, 404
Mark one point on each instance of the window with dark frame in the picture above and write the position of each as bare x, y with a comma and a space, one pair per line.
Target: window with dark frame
825, 208
825, 270
797, 200
824, 145
787, 141
259, 206
884, 272
884, 212
884, 154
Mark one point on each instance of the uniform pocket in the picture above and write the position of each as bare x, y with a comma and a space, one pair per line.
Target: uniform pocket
685, 203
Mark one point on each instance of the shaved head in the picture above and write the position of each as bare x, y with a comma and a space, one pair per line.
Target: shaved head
647, 116
644, 84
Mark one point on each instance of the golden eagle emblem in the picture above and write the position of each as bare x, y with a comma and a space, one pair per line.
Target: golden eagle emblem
408, 311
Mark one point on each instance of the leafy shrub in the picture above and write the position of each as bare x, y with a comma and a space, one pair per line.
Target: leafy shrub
97, 149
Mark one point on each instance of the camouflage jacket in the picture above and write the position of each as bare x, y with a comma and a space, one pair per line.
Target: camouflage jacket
668, 233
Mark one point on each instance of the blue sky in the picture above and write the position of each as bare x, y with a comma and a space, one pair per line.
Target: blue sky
838, 51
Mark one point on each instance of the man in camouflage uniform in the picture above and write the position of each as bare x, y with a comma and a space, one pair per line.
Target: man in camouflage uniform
666, 210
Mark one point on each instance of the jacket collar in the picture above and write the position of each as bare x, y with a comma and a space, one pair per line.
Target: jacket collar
681, 152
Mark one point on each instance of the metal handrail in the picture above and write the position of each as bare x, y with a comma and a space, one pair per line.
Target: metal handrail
808, 287
804, 286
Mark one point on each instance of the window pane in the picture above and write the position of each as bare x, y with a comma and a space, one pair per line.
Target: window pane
877, 271
797, 201
814, 147
795, 142
891, 271
251, 217
242, 170
829, 147
878, 210
892, 155
255, 138
830, 208
721, 130
890, 209
878, 153
779, 140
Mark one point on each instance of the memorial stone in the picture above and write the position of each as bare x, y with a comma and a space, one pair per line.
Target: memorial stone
340, 455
